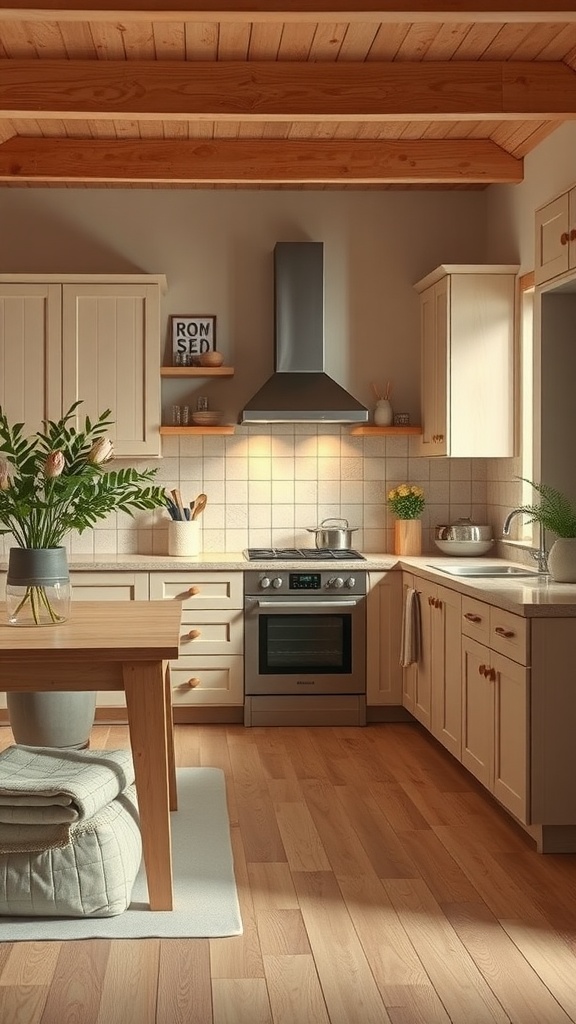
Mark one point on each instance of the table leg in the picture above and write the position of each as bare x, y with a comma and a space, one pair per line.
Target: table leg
170, 738
144, 684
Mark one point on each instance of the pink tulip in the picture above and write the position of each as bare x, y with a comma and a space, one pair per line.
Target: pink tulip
54, 465
4, 477
101, 451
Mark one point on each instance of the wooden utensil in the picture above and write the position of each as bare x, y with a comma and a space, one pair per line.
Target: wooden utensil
178, 502
198, 505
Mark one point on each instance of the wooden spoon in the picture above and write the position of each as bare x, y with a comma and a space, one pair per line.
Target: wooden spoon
198, 505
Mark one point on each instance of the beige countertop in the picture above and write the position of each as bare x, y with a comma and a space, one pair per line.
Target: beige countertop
532, 596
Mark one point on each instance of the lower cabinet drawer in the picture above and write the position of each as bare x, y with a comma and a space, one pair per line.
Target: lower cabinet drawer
217, 632
207, 680
509, 635
476, 619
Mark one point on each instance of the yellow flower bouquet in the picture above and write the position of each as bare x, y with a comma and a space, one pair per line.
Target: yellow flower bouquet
406, 501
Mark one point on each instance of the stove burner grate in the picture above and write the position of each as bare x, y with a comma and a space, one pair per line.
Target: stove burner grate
306, 554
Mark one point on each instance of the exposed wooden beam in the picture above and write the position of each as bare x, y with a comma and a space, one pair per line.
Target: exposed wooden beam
462, 11
225, 161
288, 90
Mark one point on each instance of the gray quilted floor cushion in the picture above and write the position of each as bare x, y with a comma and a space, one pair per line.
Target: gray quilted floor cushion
90, 876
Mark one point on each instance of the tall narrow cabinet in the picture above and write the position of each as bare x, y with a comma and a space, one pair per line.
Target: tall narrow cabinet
467, 361
93, 338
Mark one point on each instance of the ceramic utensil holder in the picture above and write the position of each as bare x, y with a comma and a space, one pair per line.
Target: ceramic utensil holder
183, 538
383, 414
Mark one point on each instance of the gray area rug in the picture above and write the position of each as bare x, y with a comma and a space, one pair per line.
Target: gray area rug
205, 896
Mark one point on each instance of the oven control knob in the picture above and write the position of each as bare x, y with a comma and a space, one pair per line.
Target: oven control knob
265, 583
336, 582
351, 582
277, 582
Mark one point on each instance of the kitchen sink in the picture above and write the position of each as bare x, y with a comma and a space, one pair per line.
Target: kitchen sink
485, 571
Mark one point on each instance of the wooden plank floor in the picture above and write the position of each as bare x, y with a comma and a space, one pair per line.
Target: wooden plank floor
378, 883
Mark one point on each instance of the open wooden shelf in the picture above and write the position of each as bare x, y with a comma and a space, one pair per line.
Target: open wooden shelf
368, 429
226, 428
196, 371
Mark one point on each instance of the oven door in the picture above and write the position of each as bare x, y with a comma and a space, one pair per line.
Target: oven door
298, 644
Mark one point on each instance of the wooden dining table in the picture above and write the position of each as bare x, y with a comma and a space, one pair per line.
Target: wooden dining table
115, 645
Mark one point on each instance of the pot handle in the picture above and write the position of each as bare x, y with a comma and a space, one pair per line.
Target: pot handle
324, 523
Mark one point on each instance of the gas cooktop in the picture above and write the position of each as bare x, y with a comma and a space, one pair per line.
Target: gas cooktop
297, 554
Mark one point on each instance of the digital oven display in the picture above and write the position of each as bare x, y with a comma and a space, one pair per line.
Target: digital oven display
305, 581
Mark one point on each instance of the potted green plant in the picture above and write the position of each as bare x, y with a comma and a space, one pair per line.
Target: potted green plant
557, 514
52, 483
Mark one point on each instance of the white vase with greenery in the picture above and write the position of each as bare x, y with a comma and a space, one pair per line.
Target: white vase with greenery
557, 515
52, 483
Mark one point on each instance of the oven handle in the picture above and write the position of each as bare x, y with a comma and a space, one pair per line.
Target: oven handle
303, 605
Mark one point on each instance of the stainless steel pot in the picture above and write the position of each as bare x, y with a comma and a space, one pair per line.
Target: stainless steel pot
464, 530
329, 536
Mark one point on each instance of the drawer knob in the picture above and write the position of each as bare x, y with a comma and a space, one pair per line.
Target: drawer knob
194, 634
192, 591
472, 618
482, 670
564, 238
507, 633
194, 682
573, 235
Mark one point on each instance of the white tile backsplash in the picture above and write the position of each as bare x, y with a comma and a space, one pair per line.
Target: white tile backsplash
269, 485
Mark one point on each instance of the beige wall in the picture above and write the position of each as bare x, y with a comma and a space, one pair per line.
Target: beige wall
267, 486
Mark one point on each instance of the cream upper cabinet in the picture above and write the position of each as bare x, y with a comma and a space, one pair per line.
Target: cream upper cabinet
467, 361
555, 243
87, 337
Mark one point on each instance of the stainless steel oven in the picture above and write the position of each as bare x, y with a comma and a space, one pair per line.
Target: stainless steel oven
305, 647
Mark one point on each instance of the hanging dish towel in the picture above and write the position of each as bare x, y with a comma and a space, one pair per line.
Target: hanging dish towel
411, 629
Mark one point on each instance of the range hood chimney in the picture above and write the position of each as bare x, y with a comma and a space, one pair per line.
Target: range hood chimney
299, 391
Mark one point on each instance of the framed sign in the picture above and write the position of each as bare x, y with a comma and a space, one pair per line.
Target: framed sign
192, 335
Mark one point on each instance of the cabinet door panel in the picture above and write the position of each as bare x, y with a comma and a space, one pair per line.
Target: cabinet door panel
447, 681
30, 353
383, 625
477, 712
551, 257
511, 736
111, 360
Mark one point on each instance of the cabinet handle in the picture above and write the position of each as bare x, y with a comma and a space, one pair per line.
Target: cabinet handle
438, 602
430, 601
482, 670
492, 675
564, 238
507, 633
192, 591
194, 634
573, 235
472, 618
194, 682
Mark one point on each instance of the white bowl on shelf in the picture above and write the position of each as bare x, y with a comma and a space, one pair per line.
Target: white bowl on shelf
206, 418
464, 547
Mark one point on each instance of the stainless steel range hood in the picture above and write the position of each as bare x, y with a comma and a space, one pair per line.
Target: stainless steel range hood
300, 391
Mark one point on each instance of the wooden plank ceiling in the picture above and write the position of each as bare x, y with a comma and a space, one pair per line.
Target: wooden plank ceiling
281, 93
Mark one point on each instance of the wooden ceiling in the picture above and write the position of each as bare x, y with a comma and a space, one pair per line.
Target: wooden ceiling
281, 93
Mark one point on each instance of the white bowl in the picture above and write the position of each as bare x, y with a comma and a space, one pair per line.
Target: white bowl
464, 547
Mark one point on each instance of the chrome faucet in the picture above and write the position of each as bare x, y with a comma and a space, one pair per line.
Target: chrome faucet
540, 555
